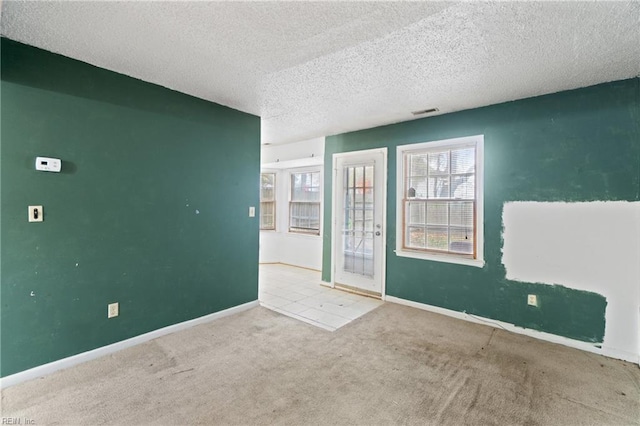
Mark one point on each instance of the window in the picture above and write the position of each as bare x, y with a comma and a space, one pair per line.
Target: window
304, 207
440, 201
267, 201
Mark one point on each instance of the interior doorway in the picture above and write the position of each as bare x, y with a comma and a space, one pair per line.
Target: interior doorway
291, 251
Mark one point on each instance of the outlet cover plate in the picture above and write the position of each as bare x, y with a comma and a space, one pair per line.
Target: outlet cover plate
113, 310
532, 300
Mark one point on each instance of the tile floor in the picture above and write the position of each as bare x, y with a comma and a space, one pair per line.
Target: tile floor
298, 293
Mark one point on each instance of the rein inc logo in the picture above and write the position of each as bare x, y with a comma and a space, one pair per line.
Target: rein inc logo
17, 421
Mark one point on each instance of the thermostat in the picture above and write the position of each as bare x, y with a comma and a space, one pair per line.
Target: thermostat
47, 164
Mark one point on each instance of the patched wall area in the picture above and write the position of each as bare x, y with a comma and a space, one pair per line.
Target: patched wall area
580, 147
590, 246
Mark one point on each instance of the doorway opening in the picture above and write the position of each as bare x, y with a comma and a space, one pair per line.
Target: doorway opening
291, 240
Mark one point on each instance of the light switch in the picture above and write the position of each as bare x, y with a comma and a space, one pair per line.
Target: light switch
36, 214
252, 211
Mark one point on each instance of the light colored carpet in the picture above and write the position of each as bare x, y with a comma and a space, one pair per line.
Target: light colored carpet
394, 365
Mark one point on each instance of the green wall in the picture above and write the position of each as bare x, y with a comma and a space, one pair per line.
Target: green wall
580, 145
150, 209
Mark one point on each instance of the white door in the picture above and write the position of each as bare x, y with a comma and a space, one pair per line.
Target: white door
359, 198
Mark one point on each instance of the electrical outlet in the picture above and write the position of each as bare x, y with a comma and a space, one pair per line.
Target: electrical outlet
113, 310
532, 300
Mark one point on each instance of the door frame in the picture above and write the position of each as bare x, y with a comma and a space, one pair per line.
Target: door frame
334, 231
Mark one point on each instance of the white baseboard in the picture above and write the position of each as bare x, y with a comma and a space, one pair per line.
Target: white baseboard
292, 265
45, 369
585, 346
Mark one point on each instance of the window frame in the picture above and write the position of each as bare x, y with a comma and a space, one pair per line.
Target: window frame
298, 231
477, 259
274, 201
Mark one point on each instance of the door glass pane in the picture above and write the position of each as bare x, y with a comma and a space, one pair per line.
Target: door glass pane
368, 195
368, 177
359, 173
368, 247
358, 232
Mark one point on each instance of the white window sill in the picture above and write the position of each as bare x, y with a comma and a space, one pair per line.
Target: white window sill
446, 258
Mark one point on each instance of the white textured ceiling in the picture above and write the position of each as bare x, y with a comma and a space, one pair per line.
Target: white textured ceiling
318, 68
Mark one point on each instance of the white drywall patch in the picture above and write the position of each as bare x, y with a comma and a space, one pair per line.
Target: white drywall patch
592, 246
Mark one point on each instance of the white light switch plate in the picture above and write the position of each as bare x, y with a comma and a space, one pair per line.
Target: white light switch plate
36, 214
252, 211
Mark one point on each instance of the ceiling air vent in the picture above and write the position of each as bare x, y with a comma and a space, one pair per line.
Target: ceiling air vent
424, 111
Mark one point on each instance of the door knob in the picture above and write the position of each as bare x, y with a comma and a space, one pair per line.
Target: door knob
378, 233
